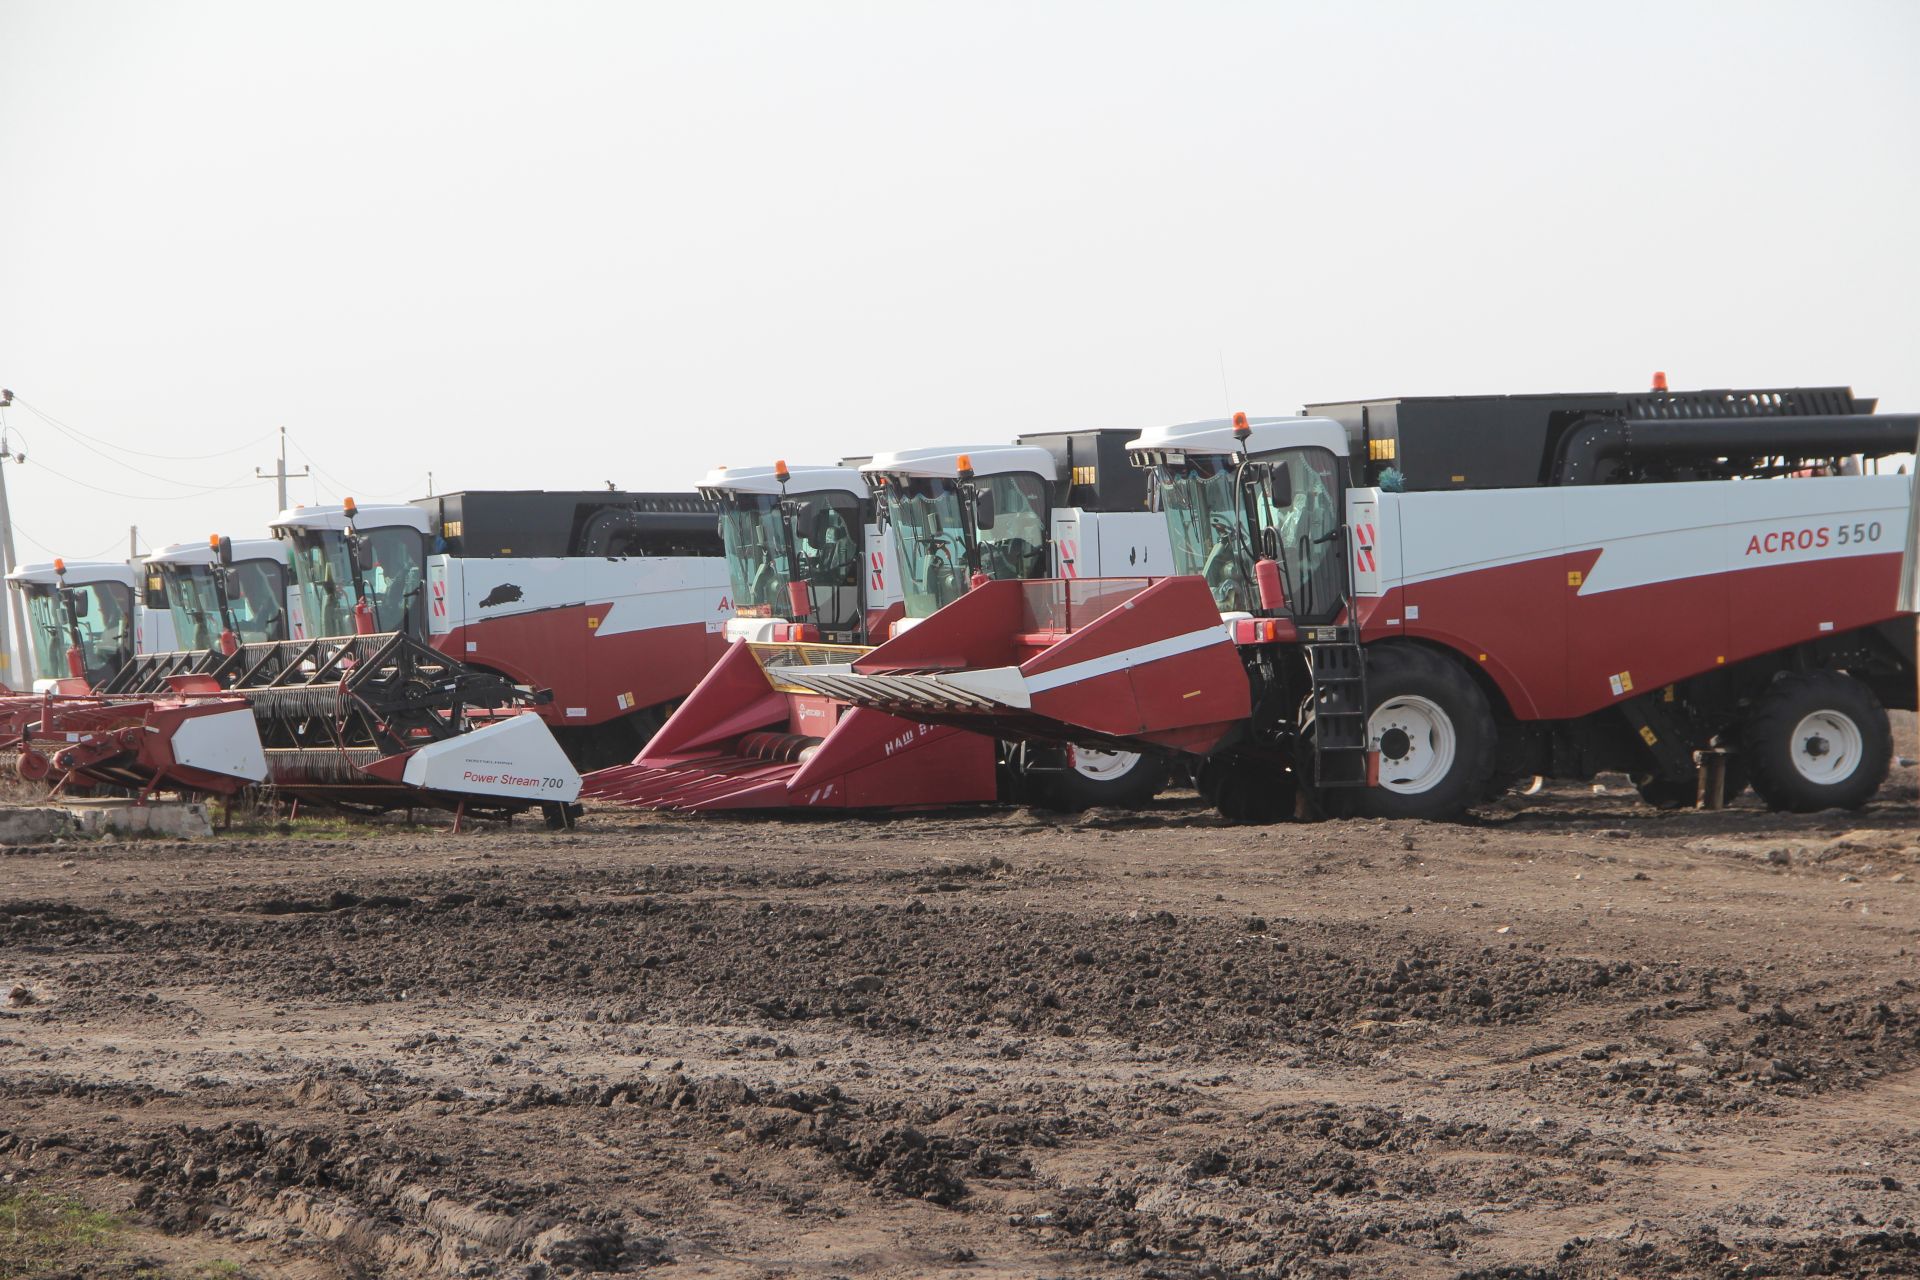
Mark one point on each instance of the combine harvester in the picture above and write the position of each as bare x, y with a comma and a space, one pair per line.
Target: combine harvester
613, 602
753, 736
85, 626
1396, 607
435, 652
366, 720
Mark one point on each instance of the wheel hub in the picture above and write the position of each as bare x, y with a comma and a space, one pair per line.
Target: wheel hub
1827, 747
1417, 743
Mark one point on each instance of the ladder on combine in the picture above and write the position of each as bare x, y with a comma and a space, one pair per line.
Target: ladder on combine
1339, 671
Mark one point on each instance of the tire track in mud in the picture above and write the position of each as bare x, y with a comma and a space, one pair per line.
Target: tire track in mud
532, 1068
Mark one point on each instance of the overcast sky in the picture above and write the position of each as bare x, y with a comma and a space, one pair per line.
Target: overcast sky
552, 245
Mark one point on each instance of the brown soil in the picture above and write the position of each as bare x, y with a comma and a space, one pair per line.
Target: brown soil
1575, 1038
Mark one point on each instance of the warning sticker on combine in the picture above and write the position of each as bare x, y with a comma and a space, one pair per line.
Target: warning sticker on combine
1622, 683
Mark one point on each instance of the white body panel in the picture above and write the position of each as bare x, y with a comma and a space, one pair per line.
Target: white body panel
800, 479
1215, 437
1111, 544
643, 591
944, 462
1645, 534
227, 743
155, 632
380, 517
516, 757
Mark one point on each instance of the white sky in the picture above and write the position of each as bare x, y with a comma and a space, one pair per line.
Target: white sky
551, 245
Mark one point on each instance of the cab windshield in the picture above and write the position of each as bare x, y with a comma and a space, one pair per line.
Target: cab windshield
759, 565
256, 597
395, 585
1221, 520
106, 626
1207, 524
932, 538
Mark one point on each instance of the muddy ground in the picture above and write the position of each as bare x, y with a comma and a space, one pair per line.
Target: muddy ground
1574, 1038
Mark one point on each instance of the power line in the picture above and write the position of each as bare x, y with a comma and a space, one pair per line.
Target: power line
138, 468
95, 555
147, 497
165, 457
339, 484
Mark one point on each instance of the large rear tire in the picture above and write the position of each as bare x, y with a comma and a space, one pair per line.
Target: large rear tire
1818, 740
1103, 780
1435, 734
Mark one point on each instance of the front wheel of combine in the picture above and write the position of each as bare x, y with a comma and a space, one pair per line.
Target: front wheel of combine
1104, 780
1435, 734
1817, 741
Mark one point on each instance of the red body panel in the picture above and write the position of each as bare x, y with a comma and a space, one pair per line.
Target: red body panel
600, 678
1561, 662
704, 757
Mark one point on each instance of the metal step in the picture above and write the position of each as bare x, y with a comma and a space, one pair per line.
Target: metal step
1339, 673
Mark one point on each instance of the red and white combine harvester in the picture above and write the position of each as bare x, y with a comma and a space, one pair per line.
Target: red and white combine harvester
613, 603
753, 737
446, 652
85, 625
1398, 607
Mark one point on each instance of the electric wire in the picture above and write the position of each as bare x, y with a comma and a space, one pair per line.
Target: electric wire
82, 439
337, 483
242, 483
17, 528
165, 457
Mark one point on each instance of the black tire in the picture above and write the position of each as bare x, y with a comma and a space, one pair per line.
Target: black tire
1793, 732
1669, 793
561, 817
1070, 790
1406, 671
1247, 788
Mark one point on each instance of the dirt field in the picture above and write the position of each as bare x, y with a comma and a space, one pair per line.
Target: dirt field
1576, 1038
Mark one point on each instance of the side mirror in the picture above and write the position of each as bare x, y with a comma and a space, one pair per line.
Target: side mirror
362, 554
1280, 485
223, 550
984, 513
82, 603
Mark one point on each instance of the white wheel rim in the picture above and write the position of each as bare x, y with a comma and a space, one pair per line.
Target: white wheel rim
1826, 747
1102, 766
1416, 742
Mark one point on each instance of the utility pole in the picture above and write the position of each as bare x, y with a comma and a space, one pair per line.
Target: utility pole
8, 563
280, 473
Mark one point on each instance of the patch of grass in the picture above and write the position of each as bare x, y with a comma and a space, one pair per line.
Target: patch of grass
39, 1232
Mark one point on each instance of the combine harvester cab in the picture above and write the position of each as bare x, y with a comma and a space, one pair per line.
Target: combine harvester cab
222, 592
613, 602
754, 736
85, 623
1396, 608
